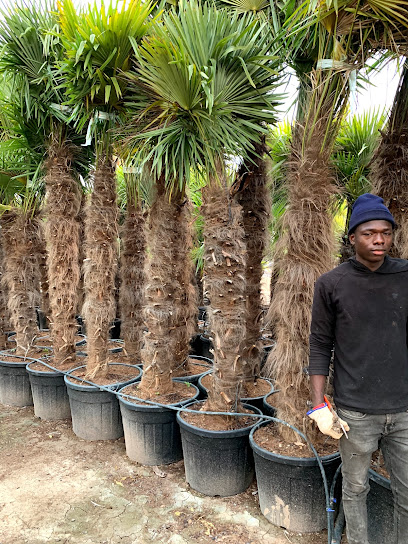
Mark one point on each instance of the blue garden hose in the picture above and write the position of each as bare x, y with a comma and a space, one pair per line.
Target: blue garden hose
332, 533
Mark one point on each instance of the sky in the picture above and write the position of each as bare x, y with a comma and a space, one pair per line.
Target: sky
378, 94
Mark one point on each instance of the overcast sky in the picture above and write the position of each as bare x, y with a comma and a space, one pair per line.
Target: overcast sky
378, 94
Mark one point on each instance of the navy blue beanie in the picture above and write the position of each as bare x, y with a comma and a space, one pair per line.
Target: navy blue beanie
369, 207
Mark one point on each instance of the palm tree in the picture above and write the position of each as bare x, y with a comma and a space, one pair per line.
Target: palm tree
32, 50
353, 152
208, 94
254, 197
98, 47
389, 168
133, 252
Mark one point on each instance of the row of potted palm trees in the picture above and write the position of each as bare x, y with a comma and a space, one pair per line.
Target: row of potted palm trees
153, 91
174, 95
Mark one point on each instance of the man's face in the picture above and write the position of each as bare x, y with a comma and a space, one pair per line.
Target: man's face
372, 241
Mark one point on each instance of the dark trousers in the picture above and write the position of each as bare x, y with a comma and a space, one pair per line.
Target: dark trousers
367, 433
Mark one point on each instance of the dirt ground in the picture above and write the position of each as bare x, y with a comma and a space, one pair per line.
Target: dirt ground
57, 488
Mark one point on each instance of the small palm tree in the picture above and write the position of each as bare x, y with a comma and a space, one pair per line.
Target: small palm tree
98, 47
389, 168
133, 254
208, 94
31, 52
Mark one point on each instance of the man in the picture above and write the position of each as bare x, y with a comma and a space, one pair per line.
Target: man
361, 310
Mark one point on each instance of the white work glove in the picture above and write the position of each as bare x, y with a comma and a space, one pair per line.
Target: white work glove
328, 421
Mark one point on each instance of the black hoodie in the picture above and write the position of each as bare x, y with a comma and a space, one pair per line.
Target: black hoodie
363, 315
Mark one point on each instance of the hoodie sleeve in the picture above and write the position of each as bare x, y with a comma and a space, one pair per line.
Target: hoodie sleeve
322, 329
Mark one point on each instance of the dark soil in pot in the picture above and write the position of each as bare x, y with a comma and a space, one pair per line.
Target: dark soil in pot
95, 412
290, 488
217, 462
152, 435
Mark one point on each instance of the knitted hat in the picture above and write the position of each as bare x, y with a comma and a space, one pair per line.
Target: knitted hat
369, 207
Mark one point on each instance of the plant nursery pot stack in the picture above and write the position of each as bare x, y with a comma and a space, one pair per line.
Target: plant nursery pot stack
15, 389
290, 489
217, 463
152, 435
95, 412
49, 392
380, 510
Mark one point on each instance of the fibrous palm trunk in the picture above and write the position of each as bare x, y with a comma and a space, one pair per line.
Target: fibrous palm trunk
305, 251
100, 265
389, 172
44, 284
224, 271
20, 236
133, 283
256, 203
62, 234
168, 300
3, 300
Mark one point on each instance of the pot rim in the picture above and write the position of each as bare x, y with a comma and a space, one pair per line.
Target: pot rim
87, 387
286, 459
152, 407
379, 479
227, 433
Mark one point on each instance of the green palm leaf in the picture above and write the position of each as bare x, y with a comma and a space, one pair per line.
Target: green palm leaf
202, 93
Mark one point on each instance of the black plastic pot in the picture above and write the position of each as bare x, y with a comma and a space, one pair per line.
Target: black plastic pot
15, 389
290, 489
81, 342
193, 378
267, 408
49, 394
202, 313
95, 413
42, 321
114, 331
217, 463
81, 324
152, 435
380, 510
203, 346
258, 401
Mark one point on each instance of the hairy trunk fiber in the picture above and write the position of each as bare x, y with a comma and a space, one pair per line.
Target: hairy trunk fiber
224, 270
22, 276
4, 327
305, 251
62, 234
133, 282
169, 299
100, 265
255, 200
44, 284
390, 167
81, 255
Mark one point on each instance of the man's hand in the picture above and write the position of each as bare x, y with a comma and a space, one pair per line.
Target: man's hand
327, 421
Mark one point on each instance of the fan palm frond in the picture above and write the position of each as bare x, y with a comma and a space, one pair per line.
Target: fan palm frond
202, 93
